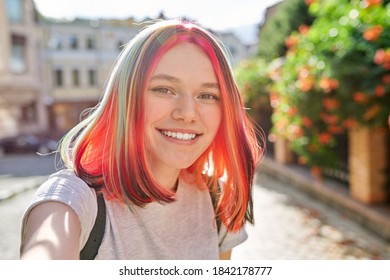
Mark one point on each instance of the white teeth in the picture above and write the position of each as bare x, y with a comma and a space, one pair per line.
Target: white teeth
179, 135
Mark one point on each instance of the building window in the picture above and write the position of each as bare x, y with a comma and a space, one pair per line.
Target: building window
58, 77
76, 77
92, 77
18, 54
90, 43
29, 113
73, 42
15, 10
55, 42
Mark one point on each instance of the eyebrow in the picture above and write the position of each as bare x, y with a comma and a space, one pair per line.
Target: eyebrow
176, 80
164, 77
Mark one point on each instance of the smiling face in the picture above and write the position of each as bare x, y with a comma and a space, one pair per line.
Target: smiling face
182, 111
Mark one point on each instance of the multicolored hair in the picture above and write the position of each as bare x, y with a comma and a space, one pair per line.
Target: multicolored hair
107, 148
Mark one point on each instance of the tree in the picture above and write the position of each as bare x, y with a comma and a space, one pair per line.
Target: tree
289, 16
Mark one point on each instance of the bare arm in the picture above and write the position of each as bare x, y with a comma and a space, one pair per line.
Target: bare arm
52, 232
225, 255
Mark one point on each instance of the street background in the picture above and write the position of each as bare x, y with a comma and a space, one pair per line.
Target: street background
290, 224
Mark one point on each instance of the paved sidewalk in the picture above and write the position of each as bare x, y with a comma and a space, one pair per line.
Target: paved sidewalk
291, 225
374, 217
12, 186
20, 173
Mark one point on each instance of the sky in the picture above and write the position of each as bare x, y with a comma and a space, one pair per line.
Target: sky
241, 16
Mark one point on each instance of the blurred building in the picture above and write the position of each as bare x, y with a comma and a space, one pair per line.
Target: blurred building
77, 56
53, 70
22, 107
238, 50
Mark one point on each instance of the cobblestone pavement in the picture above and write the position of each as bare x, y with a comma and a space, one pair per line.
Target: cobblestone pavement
292, 225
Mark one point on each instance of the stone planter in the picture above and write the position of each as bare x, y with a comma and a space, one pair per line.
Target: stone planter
368, 164
282, 151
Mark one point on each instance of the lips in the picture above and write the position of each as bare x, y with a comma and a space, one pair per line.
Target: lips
179, 135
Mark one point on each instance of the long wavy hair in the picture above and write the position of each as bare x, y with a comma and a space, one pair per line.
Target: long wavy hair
107, 148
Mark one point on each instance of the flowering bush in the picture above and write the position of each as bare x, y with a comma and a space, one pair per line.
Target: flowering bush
336, 76
253, 81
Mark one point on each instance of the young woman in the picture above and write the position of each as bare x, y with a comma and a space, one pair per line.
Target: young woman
169, 133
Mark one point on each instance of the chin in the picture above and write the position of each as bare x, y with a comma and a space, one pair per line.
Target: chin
184, 165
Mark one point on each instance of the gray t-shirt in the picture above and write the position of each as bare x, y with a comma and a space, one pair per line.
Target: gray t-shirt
184, 229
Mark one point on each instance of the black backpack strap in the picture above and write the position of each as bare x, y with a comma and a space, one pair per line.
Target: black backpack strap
91, 248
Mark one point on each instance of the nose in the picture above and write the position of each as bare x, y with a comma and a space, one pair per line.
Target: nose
185, 109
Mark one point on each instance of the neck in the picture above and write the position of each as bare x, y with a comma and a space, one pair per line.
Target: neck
170, 183
167, 179
165, 176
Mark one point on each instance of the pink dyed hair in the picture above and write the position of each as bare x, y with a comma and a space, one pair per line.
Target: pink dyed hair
107, 148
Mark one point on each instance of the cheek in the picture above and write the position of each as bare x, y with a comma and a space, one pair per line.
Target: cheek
213, 120
216, 123
153, 111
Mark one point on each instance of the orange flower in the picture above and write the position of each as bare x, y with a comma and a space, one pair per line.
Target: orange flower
303, 29
360, 97
329, 119
328, 84
372, 33
306, 80
386, 59
307, 122
372, 112
309, 2
325, 138
306, 84
291, 41
333, 119
294, 131
292, 111
386, 79
379, 56
330, 103
334, 129
380, 91
302, 160
383, 57
349, 123
299, 132
370, 3
316, 171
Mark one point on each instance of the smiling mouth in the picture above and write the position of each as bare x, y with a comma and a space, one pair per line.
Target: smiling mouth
179, 135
